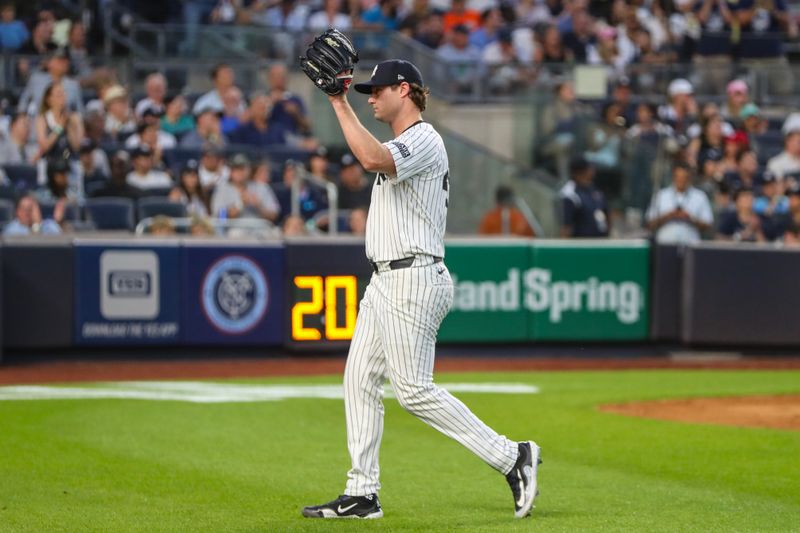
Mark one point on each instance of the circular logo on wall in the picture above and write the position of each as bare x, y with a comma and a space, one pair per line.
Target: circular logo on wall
235, 294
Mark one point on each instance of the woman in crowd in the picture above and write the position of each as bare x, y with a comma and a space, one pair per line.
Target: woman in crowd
58, 131
709, 144
175, 120
733, 145
190, 193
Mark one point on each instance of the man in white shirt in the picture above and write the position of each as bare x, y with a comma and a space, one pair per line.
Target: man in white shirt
679, 213
155, 87
223, 77
143, 175
330, 16
788, 161
148, 132
241, 197
212, 169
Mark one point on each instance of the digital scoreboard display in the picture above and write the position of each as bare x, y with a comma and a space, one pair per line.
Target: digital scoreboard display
326, 281
324, 308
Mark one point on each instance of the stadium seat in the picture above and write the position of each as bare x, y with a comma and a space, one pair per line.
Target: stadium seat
22, 176
111, 213
90, 187
150, 207
7, 192
160, 192
6, 211
72, 212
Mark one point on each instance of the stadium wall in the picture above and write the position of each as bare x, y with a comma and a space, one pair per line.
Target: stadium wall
303, 293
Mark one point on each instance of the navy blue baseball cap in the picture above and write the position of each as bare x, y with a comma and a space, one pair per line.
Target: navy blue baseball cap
390, 72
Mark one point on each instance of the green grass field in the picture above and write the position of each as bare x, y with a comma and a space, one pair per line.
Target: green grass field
130, 465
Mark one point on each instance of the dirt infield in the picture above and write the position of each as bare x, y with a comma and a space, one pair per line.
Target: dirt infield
22, 372
776, 412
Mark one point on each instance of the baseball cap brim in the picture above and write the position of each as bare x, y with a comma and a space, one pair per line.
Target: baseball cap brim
390, 72
366, 87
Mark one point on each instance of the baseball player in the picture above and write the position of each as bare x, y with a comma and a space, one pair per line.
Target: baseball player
410, 291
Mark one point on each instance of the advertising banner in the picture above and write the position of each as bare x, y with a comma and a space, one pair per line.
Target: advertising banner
487, 299
127, 294
588, 290
233, 293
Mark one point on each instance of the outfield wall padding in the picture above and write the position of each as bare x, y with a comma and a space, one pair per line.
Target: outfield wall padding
740, 295
665, 310
61, 292
38, 292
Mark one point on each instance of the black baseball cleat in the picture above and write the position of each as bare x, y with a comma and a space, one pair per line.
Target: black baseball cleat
522, 478
347, 507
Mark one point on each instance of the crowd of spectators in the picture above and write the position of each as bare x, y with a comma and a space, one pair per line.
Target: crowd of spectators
73, 135
733, 174
524, 41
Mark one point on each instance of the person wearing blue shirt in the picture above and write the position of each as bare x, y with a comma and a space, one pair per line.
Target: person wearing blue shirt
257, 131
491, 22
770, 202
13, 33
288, 110
383, 15
29, 221
462, 60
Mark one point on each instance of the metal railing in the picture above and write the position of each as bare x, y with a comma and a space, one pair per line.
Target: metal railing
250, 227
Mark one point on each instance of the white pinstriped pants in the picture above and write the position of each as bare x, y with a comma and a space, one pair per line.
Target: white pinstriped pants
395, 335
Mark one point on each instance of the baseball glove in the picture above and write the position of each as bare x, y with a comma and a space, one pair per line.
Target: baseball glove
329, 62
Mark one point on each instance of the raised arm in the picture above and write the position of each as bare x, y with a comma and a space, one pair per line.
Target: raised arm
369, 151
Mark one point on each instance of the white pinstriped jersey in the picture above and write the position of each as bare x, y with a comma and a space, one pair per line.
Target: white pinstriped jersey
408, 211
400, 314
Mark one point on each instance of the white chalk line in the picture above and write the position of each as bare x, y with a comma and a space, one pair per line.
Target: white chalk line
210, 392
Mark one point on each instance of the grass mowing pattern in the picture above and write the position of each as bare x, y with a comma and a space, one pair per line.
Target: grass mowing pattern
125, 465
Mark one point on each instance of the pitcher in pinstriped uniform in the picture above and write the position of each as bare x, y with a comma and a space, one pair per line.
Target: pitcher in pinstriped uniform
407, 298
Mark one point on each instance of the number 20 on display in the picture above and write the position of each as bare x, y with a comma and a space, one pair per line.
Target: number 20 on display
324, 295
